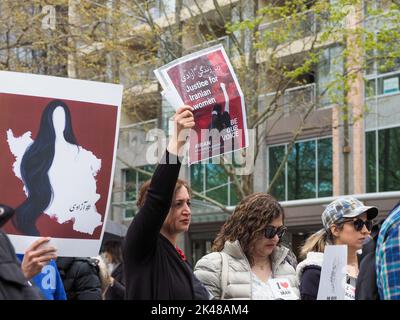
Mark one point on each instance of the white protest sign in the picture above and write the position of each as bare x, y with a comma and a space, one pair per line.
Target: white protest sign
349, 292
173, 98
206, 81
59, 140
333, 273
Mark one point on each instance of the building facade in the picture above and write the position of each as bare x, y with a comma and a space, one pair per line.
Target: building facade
339, 151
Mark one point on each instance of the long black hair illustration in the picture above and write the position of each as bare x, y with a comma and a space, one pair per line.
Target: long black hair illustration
35, 166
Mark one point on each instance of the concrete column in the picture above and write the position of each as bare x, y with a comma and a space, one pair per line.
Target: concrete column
73, 20
356, 100
336, 151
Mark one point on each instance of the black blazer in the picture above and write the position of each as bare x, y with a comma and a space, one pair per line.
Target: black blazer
153, 268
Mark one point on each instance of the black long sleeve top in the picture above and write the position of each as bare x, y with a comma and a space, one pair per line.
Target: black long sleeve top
153, 268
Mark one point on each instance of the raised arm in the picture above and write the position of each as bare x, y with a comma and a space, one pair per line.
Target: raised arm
226, 97
142, 235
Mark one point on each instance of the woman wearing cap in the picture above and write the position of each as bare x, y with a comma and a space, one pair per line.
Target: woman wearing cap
346, 221
248, 261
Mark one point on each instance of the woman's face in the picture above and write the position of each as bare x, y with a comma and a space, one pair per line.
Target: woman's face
263, 246
59, 121
179, 216
349, 236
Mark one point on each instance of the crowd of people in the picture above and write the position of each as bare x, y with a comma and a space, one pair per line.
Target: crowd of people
248, 259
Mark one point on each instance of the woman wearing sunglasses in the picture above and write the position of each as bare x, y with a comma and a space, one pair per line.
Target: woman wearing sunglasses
249, 262
346, 221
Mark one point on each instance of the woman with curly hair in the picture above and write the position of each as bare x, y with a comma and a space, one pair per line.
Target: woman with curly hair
248, 261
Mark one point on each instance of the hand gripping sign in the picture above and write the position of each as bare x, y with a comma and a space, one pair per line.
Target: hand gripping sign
206, 81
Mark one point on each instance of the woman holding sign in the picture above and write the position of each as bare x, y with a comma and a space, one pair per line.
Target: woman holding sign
249, 262
346, 221
155, 268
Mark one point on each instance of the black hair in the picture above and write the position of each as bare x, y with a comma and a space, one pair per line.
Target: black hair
35, 165
114, 248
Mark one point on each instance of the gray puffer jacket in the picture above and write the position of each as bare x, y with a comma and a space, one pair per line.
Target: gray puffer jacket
208, 271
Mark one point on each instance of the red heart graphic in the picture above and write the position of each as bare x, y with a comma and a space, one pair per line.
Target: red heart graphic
284, 284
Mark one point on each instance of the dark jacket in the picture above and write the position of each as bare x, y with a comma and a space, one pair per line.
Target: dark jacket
117, 291
81, 278
153, 267
310, 283
309, 274
13, 285
366, 287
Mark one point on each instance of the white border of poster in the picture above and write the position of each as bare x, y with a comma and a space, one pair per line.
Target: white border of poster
70, 89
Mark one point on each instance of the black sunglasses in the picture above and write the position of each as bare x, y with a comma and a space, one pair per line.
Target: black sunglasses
271, 231
359, 224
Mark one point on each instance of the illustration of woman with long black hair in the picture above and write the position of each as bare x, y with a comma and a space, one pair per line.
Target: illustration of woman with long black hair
58, 174
219, 126
220, 119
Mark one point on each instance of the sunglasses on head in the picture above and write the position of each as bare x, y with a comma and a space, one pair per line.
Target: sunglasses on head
359, 224
271, 231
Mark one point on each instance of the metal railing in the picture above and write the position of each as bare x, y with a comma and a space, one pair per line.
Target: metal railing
140, 126
139, 74
376, 84
222, 40
156, 9
190, 3
287, 29
293, 98
327, 200
130, 132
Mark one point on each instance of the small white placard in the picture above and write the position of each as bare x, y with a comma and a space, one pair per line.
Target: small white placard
173, 98
333, 273
282, 289
349, 292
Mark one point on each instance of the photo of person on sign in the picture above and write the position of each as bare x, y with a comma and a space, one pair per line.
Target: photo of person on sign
220, 120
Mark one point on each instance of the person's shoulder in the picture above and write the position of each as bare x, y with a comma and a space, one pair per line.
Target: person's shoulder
392, 220
211, 260
392, 236
6, 248
85, 265
390, 229
312, 269
311, 275
313, 261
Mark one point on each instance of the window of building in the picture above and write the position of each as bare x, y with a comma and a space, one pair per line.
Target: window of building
382, 160
212, 181
380, 5
329, 66
133, 179
383, 58
167, 120
307, 172
383, 85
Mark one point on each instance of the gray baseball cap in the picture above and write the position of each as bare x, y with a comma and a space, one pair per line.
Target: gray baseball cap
346, 207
